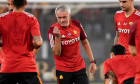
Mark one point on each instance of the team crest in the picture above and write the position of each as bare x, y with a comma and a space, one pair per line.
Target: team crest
130, 23
75, 32
61, 77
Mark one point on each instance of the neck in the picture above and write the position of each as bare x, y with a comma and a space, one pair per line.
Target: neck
19, 9
129, 12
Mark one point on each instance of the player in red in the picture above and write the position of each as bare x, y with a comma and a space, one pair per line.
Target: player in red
134, 46
10, 8
123, 20
21, 41
64, 38
120, 69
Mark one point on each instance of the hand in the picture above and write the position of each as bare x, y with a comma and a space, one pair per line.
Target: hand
56, 32
92, 68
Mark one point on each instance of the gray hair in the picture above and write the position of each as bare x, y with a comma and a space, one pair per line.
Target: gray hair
61, 8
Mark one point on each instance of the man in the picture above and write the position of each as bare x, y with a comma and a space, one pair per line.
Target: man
120, 69
10, 8
123, 20
134, 46
64, 38
21, 41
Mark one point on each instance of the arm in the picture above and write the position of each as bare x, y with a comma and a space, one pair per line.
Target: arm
37, 42
116, 38
132, 50
88, 51
106, 81
57, 45
112, 77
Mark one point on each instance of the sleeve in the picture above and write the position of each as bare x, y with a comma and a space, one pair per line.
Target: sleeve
115, 21
132, 34
82, 32
35, 28
107, 67
51, 37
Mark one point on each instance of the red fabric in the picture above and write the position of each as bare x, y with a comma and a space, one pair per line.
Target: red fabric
122, 66
17, 31
70, 59
122, 25
135, 41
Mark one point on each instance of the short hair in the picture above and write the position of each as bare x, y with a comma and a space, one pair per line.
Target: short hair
19, 3
118, 50
63, 8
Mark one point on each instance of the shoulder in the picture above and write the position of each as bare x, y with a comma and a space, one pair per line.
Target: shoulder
51, 27
4, 14
29, 14
137, 12
120, 12
76, 22
107, 61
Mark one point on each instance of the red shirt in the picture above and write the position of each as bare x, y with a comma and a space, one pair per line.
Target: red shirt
1, 38
134, 40
17, 30
122, 66
122, 25
70, 59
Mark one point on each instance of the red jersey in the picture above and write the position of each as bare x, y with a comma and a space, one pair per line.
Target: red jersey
122, 25
122, 66
17, 30
134, 40
70, 59
1, 39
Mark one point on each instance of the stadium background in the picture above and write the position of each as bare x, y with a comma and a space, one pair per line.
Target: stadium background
97, 18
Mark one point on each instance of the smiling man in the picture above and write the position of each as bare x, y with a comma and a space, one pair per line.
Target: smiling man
64, 38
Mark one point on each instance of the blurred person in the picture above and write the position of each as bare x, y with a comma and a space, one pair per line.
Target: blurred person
134, 47
119, 69
64, 38
123, 20
10, 8
21, 41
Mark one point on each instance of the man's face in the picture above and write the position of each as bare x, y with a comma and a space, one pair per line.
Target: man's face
126, 4
10, 5
63, 18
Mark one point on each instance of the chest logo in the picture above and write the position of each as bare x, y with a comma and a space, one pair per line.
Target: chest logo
63, 36
75, 32
61, 77
130, 23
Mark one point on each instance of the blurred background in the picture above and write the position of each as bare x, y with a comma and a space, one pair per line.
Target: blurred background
97, 18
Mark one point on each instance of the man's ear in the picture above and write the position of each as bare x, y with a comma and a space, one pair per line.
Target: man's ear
112, 55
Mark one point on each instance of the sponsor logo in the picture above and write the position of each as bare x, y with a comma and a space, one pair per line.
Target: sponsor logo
123, 30
70, 41
75, 32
